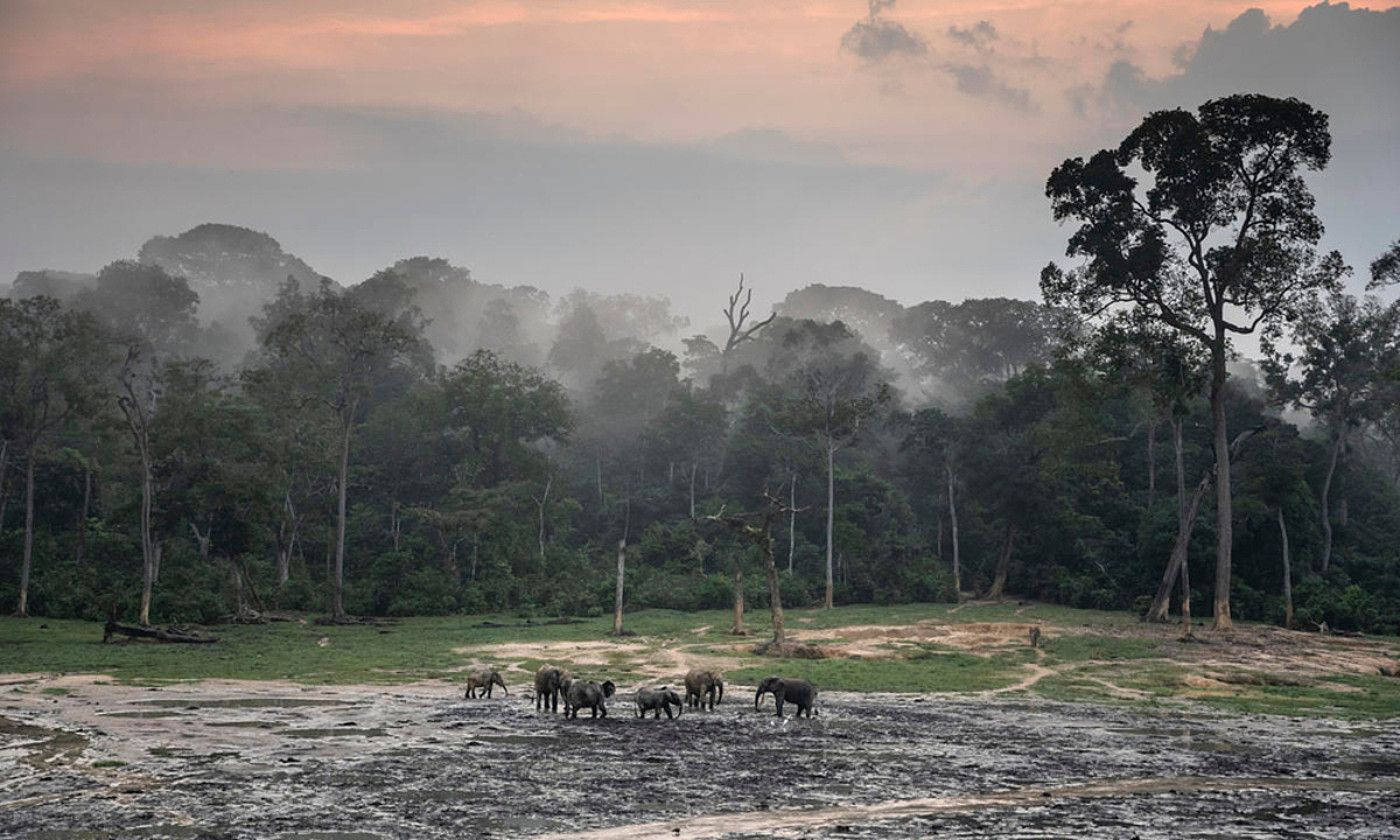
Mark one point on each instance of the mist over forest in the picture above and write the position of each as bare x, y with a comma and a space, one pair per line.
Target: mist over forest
224, 432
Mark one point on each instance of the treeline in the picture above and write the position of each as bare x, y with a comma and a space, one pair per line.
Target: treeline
348, 464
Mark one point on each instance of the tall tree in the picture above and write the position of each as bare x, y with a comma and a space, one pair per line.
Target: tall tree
1343, 346
834, 387
152, 313
1172, 371
51, 364
933, 441
1218, 240
333, 350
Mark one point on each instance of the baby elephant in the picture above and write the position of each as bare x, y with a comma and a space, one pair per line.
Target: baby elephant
799, 692
482, 679
656, 699
550, 682
703, 687
582, 694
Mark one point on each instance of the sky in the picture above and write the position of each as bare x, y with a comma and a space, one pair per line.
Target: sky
656, 146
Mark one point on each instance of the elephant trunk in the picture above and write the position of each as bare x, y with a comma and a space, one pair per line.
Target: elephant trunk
758, 695
719, 686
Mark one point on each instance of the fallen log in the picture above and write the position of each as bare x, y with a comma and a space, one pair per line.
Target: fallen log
131, 631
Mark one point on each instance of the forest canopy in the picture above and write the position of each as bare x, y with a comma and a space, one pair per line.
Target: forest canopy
214, 430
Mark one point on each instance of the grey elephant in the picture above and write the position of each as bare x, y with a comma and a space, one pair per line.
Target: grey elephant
585, 694
482, 679
657, 699
703, 687
550, 682
799, 692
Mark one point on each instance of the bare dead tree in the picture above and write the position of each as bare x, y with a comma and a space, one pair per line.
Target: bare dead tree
755, 526
737, 314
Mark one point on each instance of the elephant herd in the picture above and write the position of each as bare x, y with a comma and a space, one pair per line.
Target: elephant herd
704, 689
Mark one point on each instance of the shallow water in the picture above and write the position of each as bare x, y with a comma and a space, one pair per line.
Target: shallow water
382, 765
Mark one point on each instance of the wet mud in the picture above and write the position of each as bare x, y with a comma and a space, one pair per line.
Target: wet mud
263, 760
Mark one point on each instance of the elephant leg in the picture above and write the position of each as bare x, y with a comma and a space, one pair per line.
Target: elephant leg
668, 712
778, 702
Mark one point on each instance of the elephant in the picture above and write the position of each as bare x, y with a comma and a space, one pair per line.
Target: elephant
656, 699
550, 682
482, 679
703, 686
584, 694
801, 692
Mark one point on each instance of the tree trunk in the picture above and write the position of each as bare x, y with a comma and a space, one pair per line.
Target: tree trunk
1151, 462
792, 521
394, 520
621, 569
738, 629
240, 606
286, 540
4, 473
598, 476
775, 592
1185, 519
953, 524
1003, 565
1325, 502
338, 585
202, 541
544, 500
830, 520
1224, 513
1185, 523
148, 551
1287, 572
27, 563
693, 467
83, 514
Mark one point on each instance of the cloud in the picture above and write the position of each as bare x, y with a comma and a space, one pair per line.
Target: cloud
1340, 59
982, 82
979, 36
874, 38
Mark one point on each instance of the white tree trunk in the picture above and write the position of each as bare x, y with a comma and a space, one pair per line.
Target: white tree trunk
1287, 572
830, 520
953, 524
27, 563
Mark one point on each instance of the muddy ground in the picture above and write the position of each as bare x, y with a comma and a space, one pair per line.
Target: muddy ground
80, 758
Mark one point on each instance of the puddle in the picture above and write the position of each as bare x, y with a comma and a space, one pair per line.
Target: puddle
242, 702
334, 732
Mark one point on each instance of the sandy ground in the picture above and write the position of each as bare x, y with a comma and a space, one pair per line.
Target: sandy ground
82, 758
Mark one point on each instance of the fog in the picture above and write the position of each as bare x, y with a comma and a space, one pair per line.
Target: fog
899, 147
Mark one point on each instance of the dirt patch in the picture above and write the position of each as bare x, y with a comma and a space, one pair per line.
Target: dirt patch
656, 663
879, 641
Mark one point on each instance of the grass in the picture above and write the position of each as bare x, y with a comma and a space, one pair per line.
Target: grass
1146, 670
952, 672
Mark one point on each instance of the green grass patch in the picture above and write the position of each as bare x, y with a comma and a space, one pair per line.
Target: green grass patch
1359, 698
1086, 648
951, 672
108, 762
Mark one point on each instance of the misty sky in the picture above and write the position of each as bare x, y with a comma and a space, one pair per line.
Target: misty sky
658, 146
